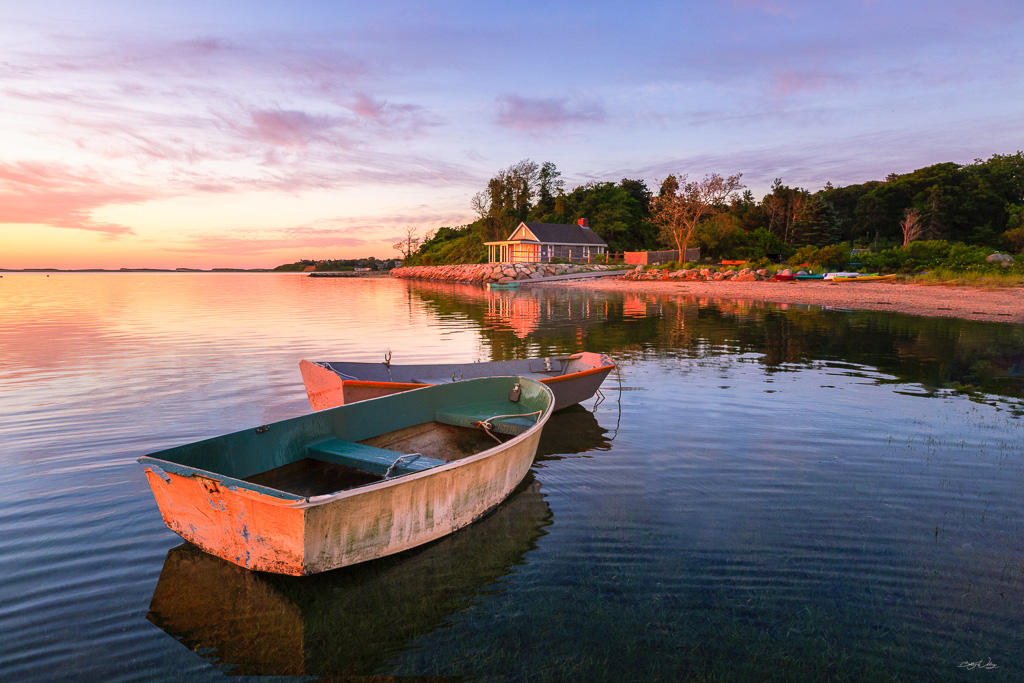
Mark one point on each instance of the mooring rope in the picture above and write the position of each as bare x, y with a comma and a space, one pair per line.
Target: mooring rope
487, 426
328, 366
400, 459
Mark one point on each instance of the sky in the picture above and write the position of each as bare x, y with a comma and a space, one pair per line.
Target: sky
200, 134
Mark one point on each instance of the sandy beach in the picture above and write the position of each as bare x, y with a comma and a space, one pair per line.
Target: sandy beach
998, 305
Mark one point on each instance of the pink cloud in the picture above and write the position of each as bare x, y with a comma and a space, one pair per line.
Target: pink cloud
772, 7
51, 194
540, 114
291, 129
793, 82
393, 120
367, 108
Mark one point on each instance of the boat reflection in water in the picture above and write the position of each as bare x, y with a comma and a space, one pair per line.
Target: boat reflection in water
343, 622
571, 431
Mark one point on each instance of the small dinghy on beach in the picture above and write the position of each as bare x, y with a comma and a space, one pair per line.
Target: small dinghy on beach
354, 483
871, 277
572, 378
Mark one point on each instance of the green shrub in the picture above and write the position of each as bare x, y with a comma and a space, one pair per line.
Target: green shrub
1013, 240
830, 257
761, 242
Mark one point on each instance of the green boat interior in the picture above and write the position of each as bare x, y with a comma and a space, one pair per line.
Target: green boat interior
363, 443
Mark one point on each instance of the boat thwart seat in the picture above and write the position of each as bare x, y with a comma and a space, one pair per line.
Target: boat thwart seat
496, 418
370, 458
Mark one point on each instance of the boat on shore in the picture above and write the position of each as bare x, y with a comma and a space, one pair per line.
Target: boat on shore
872, 277
572, 378
502, 285
353, 483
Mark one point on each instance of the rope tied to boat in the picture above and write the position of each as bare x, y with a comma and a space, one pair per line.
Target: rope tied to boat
327, 366
487, 425
401, 458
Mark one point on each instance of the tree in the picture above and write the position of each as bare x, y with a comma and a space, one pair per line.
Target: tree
720, 235
639, 191
508, 199
913, 228
678, 211
409, 243
814, 221
549, 185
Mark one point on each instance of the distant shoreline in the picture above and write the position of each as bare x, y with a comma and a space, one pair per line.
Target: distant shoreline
321, 273
135, 270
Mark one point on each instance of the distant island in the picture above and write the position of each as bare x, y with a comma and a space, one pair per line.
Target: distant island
338, 265
370, 264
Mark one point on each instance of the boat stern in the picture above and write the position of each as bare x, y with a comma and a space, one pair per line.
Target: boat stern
252, 529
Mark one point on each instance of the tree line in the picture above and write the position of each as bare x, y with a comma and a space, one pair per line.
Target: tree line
980, 204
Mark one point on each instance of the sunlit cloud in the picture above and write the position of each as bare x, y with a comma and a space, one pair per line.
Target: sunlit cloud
545, 114
292, 129
54, 195
792, 83
772, 7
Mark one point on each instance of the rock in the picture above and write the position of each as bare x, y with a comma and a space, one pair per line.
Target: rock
1004, 260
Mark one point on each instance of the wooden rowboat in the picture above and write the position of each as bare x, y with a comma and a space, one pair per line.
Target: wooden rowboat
573, 378
354, 483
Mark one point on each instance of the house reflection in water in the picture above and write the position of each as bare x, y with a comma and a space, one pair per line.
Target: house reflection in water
526, 312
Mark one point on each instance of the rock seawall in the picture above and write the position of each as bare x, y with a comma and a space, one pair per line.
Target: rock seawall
700, 274
493, 272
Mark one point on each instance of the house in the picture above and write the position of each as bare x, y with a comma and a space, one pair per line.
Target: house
543, 242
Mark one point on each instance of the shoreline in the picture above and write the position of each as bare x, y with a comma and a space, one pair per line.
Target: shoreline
990, 305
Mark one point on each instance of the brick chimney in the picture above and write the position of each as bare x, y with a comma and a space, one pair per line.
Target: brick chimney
584, 224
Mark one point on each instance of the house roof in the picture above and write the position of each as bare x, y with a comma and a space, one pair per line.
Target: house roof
558, 233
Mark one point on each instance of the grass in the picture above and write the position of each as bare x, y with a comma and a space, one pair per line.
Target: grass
961, 278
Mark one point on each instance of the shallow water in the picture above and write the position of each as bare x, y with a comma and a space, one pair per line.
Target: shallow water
761, 492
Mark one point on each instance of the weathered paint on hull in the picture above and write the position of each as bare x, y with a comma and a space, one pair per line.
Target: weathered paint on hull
244, 527
414, 510
326, 389
266, 534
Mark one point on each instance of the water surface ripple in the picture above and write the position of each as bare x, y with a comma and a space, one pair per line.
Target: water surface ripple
761, 492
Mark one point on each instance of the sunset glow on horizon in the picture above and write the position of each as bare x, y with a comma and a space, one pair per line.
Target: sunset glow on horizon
237, 135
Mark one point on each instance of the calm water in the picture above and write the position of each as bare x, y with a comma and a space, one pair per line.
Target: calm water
763, 492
